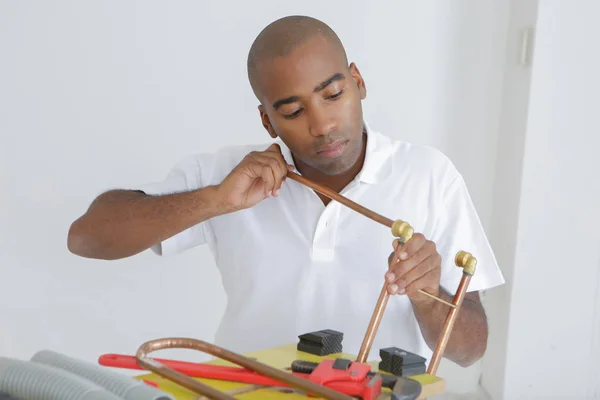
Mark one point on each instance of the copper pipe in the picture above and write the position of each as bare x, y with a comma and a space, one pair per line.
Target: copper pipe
205, 390
341, 199
365, 348
468, 263
448, 325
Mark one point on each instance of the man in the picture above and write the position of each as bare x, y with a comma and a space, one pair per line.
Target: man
292, 261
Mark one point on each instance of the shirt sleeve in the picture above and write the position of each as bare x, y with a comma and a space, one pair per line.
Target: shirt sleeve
459, 228
186, 175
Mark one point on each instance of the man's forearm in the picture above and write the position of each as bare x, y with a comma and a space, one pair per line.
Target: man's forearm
468, 339
122, 223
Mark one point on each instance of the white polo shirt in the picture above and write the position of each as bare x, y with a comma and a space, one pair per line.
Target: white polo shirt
290, 265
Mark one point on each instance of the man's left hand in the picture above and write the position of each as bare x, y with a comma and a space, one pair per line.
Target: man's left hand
413, 266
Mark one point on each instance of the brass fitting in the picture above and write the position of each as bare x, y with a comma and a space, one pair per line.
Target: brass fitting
403, 230
466, 261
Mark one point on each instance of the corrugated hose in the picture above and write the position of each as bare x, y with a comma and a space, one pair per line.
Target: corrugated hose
53, 376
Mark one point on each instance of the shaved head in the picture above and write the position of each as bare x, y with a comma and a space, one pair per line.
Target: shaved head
282, 37
309, 96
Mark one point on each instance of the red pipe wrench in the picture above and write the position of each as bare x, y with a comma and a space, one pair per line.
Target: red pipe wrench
345, 376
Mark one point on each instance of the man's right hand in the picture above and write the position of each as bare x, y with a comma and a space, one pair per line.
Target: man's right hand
258, 176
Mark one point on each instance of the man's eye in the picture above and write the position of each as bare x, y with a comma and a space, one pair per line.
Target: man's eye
334, 96
292, 115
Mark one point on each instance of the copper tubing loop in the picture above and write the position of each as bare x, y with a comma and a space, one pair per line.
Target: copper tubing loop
205, 390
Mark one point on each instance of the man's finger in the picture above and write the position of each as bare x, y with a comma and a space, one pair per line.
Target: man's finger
409, 248
399, 265
274, 170
425, 283
279, 165
268, 178
399, 268
421, 270
275, 149
278, 177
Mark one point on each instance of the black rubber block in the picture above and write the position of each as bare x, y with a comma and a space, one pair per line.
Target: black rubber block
401, 362
321, 343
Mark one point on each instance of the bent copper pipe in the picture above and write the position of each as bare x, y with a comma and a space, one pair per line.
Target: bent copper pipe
205, 390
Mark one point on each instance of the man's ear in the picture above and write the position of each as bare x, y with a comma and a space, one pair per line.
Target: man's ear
266, 121
360, 82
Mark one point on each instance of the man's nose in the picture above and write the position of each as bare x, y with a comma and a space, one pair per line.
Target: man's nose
321, 123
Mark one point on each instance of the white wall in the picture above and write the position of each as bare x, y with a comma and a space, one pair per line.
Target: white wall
98, 95
507, 186
548, 343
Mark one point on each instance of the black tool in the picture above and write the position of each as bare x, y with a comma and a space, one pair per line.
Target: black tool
401, 362
406, 389
321, 343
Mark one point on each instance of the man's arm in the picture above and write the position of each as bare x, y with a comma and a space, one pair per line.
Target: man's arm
468, 339
417, 265
122, 223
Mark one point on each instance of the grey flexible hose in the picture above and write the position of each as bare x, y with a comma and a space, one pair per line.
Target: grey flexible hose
6, 396
32, 381
119, 384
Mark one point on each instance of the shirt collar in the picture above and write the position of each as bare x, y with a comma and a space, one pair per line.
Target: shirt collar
377, 165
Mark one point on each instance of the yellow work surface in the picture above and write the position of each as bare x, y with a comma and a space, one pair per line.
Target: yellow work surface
277, 357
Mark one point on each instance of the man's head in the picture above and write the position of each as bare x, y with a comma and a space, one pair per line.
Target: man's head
309, 96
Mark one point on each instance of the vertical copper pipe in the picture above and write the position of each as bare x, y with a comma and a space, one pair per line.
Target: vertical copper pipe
373, 325
449, 324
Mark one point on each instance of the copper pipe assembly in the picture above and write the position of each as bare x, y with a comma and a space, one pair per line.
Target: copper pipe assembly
468, 263
200, 388
400, 229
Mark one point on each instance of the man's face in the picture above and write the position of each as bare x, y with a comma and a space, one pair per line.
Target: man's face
312, 101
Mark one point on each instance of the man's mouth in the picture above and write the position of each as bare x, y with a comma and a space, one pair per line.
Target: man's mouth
333, 150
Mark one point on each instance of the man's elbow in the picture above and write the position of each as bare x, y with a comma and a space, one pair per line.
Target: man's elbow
471, 357
475, 351
78, 242
81, 243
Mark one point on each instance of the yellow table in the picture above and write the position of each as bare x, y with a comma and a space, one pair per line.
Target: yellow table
278, 357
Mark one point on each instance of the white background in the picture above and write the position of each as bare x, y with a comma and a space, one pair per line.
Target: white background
101, 95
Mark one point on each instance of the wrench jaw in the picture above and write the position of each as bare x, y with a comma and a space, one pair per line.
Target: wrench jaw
406, 389
401, 388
